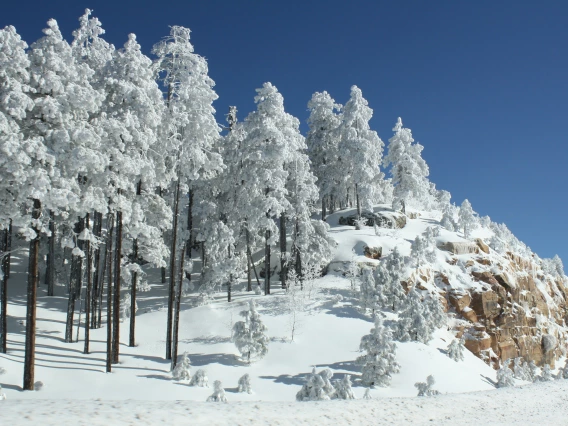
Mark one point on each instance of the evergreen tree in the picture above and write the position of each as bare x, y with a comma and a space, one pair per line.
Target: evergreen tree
456, 350
413, 324
199, 379
394, 293
250, 335
244, 384
425, 389
379, 361
218, 393
361, 152
467, 219
505, 376
182, 369
520, 369
408, 168
343, 388
317, 387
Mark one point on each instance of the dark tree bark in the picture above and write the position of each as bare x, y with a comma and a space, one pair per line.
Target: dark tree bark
50, 272
108, 258
29, 357
116, 293
4, 292
75, 283
177, 309
358, 202
323, 212
97, 229
89, 290
331, 204
250, 262
134, 283
283, 248
9, 247
172, 274
190, 224
266, 263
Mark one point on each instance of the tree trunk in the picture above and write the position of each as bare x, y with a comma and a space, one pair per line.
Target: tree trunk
108, 259
298, 255
323, 212
358, 203
230, 283
9, 247
97, 228
50, 273
75, 282
29, 357
177, 309
4, 292
116, 302
172, 274
331, 204
132, 336
89, 290
283, 248
266, 263
250, 263
189, 224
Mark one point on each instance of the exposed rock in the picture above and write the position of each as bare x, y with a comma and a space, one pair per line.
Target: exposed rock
469, 263
482, 246
383, 219
483, 261
459, 247
486, 277
469, 314
460, 300
373, 252
486, 304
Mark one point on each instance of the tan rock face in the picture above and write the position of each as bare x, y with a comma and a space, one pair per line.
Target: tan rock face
482, 246
507, 312
373, 252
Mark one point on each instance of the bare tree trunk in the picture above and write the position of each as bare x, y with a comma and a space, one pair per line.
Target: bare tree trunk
230, 283
29, 357
283, 248
250, 262
108, 258
9, 247
4, 292
132, 336
190, 224
116, 302
266, 263
172, 274
298, 255
97, 228
331, 204
177, 309
89, 290
163, 268
323, 212
358, 203
50, 273
75, 283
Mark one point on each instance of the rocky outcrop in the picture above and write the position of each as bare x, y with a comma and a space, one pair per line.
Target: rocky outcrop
459, 247
383, 219
515, 311
373, 252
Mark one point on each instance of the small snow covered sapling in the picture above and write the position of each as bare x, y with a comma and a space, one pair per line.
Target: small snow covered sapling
563, 371
250, 335
218, 393
244, 384
317, 387
505, 376
546, 375
520, 369
2, 394
425, 389
367, 394
379, 361
2, 371
456, 349
343, 388
199, 379
181, 371
360, 223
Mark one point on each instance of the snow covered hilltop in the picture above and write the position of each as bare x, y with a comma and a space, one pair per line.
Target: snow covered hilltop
135, 231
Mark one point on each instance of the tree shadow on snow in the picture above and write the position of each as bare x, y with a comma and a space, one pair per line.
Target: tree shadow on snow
488, 380
155, 376
347, 311
286, 379
341, 365
199, 360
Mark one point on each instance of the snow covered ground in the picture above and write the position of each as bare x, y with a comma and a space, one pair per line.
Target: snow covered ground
140, 388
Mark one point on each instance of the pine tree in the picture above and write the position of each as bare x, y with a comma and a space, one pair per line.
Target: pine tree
361, 152
467, 218
394, 293
456, 350
317, 387
379, 362
250, 335
199, 379
367, 292
218, 393
182, 369
546, 374
425, 389
343, 388
244, 384
520, 369
408, 168
323, 146
413, 324
505, 376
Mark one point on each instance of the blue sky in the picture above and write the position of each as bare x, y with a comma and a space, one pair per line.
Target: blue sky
482, 84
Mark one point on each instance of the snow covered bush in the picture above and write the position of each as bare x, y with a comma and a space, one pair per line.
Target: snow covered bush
343, 388
456, 350
199, 379
317, 387
379, 361
392, 289
367, 291
367, 394
414, 324
181, 370
360, 223
563, 371
337, 298
533, 371
425, 389
505, 376
2, 370
520, 369
125, 307
467, 218
244, 384
250, 335
546, 374
2, 394
39, 385
218, 393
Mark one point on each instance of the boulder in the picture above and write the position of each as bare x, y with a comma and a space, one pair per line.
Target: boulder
482, 246
373, 252
383, 219
459, 247
486, 304
486, 277
469, 314
460, 300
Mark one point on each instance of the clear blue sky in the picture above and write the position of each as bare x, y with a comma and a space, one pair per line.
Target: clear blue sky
482, 84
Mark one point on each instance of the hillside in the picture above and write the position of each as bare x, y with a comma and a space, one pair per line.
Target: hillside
327, 336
